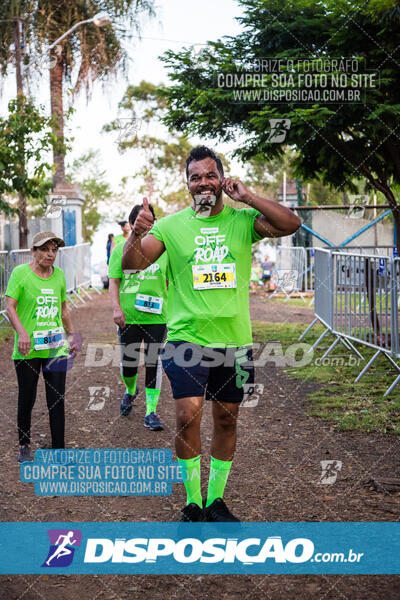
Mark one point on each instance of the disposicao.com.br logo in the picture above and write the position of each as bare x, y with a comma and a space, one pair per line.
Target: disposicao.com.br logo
204, 548
190, 550
247, 551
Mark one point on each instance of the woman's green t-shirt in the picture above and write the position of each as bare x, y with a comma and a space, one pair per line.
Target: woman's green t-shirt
142, 294
39, 309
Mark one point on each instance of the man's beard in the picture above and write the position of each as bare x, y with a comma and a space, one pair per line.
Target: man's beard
203, 203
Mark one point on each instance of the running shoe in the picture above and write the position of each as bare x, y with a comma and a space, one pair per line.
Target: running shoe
153, 422
219, 512
24, 453
127, 403
192, 513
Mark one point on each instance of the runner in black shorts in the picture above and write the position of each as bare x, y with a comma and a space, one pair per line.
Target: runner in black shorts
266, 268
195, 370
131, 337
209, 256
139, 303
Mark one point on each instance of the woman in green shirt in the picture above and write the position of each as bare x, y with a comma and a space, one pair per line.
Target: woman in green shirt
139, 309
126, 229
37, 310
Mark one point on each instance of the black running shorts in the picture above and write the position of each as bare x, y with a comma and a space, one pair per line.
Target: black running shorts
222, 374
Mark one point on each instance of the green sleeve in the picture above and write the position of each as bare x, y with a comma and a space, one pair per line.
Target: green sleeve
118, 239
63, 288
155, 230
114, 266
252, 214
14, 287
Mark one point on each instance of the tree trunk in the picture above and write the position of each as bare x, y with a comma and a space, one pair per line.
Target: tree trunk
396, 216
56, 97
23, 224
23, 221
17, 44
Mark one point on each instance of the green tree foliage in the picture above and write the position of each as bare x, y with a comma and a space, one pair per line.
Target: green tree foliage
163, 173
25, 139
265, 176
97, 50
335, 143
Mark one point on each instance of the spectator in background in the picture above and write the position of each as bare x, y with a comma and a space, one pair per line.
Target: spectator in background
266, 268
109, 244
255, 276
126, 229
274, 278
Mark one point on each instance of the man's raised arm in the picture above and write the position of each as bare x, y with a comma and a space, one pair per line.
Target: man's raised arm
140, 252
275, 220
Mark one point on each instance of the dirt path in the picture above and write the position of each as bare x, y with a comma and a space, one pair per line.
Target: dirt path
274, 476
264, 309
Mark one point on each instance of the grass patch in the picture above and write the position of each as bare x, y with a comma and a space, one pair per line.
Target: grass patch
382, 301
292, 302
352, 406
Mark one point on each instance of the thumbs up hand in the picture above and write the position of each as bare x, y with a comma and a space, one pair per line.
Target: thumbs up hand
146, 205
144, 221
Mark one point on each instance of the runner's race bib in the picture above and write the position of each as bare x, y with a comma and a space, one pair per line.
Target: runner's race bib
150, 304
212, 277
50, 338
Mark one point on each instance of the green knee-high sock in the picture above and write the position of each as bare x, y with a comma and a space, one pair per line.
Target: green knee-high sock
152, 396
219, 471
130, 384
191, 479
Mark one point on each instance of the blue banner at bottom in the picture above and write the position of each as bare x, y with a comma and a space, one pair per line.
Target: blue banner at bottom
210, 548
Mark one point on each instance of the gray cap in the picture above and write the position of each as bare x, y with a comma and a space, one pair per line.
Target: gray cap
46, 236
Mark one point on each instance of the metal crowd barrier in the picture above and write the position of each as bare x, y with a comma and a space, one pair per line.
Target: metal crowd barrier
356, 299
75, 261
83, 269
395, 320
18, 257
65, 261
309, 272
309, 275
292, 260
323, 294
362, 303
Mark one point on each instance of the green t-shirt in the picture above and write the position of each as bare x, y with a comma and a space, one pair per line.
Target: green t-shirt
118, 239
142, 295
209, 273
39, 309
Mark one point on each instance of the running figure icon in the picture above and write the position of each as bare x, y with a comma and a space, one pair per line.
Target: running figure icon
62, 549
